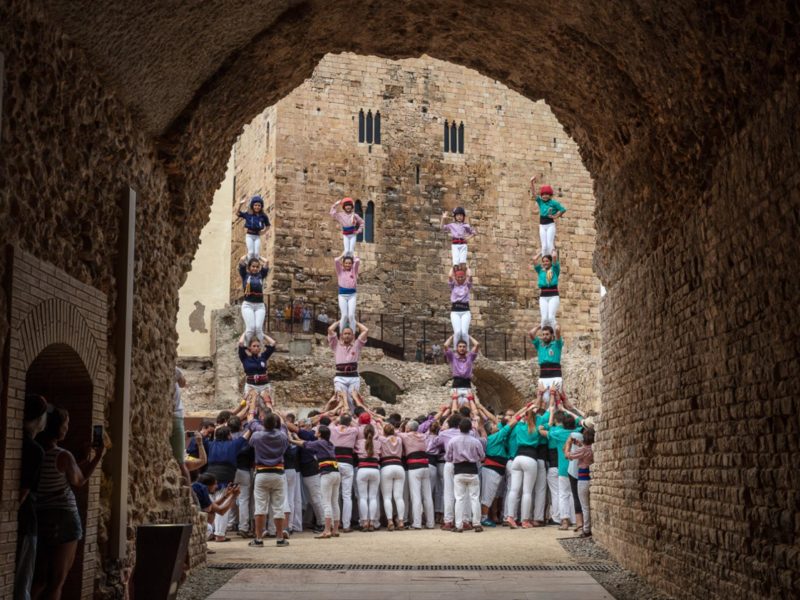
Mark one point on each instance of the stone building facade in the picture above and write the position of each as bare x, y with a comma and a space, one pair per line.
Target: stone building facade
374, 129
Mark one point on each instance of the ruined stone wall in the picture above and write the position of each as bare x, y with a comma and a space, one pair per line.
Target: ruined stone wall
68, 148
313, 148
697, 471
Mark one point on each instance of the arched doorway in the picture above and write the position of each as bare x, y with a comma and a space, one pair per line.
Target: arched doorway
382, 384
58, 374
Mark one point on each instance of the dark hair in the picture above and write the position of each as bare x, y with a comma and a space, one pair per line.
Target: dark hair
271, 422
207, 479
345, 420
380, 411
464, 411
548, 328
358, 410
369, 438
465, 425
223, 416
253, 260
388, 429
313, 413
487, 426
324, 433
568, 421
325, 421
347, 257
435, 428
454, 420
588, 436
461, 342
55, 419
206, 423
222, 433
290, 417
235, 424
395, 416
548, 257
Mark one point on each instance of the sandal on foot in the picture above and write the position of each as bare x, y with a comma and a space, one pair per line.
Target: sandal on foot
322, 536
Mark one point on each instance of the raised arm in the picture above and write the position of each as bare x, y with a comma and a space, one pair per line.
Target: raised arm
334, 207
269, 340
241, 340
362, 331
534, 332
533, 186
441, 221
332, 328
447, 343
451, 275
475, 344
558, 332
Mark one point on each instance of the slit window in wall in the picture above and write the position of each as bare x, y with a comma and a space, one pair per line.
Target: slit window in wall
369, 223
416, 174
378, 127
453, 137
361, 126
369, 126
446, 137
461, 138
360, 212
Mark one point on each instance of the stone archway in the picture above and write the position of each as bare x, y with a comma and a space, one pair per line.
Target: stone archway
382, 384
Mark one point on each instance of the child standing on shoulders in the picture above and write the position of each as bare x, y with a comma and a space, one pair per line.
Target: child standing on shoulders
549, 211
460, 232
351, 223
460, 281
347, 276
255, 222
549, 300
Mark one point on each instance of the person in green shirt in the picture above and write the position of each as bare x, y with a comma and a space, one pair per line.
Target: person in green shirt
523, 446
560, 426
548, 270
549, 345
550, 210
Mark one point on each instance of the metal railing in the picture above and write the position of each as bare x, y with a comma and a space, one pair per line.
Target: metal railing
399, 336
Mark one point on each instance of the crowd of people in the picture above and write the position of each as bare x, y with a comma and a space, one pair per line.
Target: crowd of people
265, 473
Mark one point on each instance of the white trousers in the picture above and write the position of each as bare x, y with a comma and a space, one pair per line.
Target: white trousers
540, 491
547, 383
491, 481
346, 472
467, 489
253, 314
438, 495
552, 485
459, 252
347, 385
460, 321
392, 479
523, 479
329, 484
548, 308
566, 505
419, 487
368, 481
313, 487
349, 242
347, 310
508, 511
462, 394
583, 494
244, 478
220, 521
547, 237
449, 498
253, 243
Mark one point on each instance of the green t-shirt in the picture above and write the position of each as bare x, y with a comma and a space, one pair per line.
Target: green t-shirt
559, 436
548, 353
556, 268
549, 208
523, 437
497, 443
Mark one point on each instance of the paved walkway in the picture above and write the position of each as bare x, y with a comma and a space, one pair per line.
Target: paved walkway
499, 546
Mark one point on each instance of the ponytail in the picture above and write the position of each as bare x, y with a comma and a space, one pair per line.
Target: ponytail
369, 435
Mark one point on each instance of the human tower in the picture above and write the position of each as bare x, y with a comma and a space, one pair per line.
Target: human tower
461, 465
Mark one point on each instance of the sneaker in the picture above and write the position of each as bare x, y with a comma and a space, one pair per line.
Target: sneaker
511, 522
244, 534
257, 543
282, 543
457, 530
478, 529
488, 523
467, 525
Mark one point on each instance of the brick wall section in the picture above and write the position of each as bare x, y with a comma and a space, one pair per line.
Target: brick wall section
314, 153
70, 314
697, 470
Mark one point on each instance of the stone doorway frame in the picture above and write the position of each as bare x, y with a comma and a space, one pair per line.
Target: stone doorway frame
62, 311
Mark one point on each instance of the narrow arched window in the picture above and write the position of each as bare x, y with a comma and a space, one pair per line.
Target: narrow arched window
361, 126
416, 174
369, 126
461, 138
360, 212
453, 137
378, 127
446, 137
369, 223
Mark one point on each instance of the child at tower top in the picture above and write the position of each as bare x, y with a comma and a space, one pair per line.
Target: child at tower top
549, 211
255, 222
460, 232
351, 223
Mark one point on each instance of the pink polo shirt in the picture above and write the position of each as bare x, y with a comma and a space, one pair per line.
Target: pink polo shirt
345, 353
344, 437
346, 220
414, 442
361, 448
347, 279
391, 446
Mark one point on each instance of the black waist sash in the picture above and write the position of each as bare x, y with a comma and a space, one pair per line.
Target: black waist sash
417, 460
459, 307
462, 382
347, 369
545, 220
549, 369
344, 454
465, 468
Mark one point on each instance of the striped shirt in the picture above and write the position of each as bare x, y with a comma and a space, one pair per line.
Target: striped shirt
54, 490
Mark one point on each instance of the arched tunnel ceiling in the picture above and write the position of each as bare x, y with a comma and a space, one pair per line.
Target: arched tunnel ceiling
644, 82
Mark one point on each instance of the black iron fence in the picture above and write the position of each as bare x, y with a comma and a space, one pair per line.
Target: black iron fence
399, 336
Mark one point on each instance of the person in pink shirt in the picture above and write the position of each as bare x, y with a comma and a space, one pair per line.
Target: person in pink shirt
415, 446
347, 276
393, 476
347, 350
466, 453
368, 478
459, 232
351, 223
343, 438
460, 281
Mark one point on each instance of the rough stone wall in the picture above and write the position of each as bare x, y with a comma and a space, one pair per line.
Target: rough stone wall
309, 140
696, 471
68, 148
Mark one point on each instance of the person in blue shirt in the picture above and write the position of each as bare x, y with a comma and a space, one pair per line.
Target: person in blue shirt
222, 461
547, 274
254, 360
550, 210
204, 488
253, 272
256, 222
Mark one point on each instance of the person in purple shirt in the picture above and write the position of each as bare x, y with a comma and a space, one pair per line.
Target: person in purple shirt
459, 232
461, 363
330, 478
466, 453
270, 480
460, 281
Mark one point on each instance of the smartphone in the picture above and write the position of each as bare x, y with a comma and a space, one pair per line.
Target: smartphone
97, 436
190, 434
